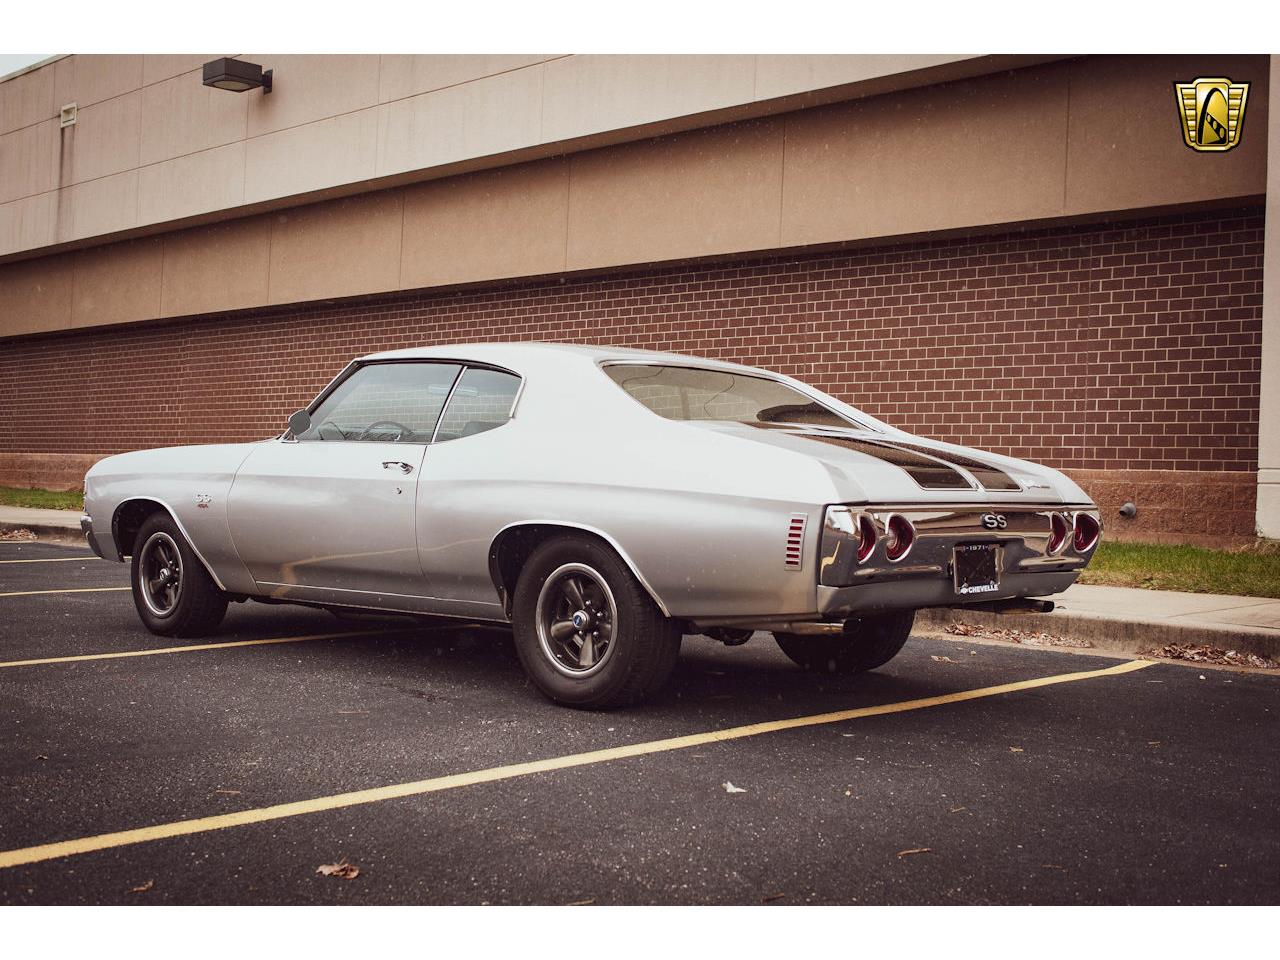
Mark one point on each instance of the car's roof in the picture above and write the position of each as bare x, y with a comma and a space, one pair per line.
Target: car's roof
514, 354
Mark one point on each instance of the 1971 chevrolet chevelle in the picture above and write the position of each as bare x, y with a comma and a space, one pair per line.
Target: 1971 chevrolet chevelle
603, 501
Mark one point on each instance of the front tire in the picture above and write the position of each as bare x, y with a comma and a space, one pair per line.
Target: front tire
866, 643
172, 591
586, 631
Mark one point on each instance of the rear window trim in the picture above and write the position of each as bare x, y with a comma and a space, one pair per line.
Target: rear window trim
763, 375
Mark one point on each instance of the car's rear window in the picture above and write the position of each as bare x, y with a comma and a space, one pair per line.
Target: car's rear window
690, 393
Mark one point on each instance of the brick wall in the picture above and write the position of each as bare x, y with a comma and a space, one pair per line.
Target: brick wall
1103, 349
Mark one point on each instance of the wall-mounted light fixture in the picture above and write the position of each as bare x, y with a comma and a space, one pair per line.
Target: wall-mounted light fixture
236, 75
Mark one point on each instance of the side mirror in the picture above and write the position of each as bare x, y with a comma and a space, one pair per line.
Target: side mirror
300, 423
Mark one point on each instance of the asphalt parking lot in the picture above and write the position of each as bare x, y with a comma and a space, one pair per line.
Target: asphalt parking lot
239, 768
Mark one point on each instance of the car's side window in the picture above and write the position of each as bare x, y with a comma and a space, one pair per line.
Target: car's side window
385, 402
481, 401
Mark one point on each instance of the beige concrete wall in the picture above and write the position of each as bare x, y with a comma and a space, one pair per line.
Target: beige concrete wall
1056, 141
153, 146
1269, 403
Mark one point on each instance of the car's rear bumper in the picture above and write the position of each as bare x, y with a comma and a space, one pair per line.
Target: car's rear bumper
1034, 554
934, 588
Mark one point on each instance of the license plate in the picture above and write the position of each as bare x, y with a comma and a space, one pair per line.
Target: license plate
977, 568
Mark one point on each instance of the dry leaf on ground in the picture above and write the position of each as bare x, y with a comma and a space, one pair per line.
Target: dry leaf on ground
730, 788
942, 659
347, 871
143, 888
21, 533
913, 851
1031, 638
1199, 653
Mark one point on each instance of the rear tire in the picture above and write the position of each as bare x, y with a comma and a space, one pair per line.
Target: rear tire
866, 643
587, 633
173, 593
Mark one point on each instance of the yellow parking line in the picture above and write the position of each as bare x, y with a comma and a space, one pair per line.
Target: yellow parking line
33, 593
51, 559
191, 648
179, 828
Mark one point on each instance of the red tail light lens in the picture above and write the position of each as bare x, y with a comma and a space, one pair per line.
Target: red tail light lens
1057, 533
1087, 531
901, 535
867, 532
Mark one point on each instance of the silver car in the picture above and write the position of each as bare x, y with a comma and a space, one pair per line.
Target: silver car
603, 501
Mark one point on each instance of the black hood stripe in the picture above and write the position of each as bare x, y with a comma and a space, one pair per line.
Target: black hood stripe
929, 472
990, 476
930, 469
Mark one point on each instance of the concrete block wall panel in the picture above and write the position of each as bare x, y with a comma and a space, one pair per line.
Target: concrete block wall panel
1127, 353
902, 153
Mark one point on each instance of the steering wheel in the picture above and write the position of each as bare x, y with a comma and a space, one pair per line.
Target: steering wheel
401, 429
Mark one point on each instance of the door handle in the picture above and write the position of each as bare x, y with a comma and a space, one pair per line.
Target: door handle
404, 467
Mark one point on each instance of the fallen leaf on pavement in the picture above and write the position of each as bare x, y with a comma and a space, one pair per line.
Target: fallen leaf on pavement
730, 788
958, 809
1028, 637
1015, 750
938, 659
41, 756
582, 903
347, 871
21, 533
914, 850
228, 793
773, 897
1199, 653
143, 888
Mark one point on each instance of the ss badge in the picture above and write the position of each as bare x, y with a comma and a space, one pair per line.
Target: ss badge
994, 521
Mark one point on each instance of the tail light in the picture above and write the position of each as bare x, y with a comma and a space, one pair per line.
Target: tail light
1087, 531
867, 537
1057, 533
848, 539
901, 535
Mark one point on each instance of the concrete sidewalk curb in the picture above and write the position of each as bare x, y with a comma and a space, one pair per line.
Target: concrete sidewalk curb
46, 531
1104, 633
60, 524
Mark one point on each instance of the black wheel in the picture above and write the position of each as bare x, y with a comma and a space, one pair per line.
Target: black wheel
866, 643
173, 592
586, 631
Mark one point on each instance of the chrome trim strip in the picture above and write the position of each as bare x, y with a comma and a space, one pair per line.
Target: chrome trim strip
445, 408
370, 593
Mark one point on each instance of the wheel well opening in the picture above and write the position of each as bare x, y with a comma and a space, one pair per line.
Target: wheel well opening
513, 547
128, 520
